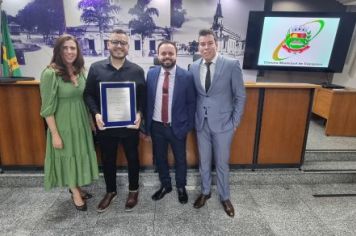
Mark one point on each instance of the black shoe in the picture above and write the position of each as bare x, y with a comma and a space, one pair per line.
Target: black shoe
182, 195
80, 208
85, 195
161, 192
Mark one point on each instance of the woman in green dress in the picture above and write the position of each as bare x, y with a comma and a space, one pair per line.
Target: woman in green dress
70, 155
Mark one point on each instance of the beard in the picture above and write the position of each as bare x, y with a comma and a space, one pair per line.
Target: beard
118, 55
168, 64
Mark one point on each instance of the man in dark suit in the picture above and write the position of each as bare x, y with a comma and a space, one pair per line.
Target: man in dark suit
117, 68
170, 116
220, 104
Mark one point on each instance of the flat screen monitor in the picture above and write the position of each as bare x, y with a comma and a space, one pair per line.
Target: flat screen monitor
298, 41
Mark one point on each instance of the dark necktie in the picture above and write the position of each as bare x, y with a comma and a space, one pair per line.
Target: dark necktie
165, 97
207, 77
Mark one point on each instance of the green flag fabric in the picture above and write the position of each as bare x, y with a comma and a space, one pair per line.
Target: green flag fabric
10, 66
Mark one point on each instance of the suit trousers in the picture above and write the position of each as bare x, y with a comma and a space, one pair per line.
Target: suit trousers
218, 145
108, 146
162, 135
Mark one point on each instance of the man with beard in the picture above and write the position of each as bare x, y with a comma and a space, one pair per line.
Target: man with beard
170, 116
117, 68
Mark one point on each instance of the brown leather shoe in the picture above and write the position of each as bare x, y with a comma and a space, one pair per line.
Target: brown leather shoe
228, 208
131, 201
106, 201
201, 200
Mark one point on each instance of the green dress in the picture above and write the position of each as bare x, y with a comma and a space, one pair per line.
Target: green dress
75, 164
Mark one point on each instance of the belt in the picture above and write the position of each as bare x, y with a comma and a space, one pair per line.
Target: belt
162, 123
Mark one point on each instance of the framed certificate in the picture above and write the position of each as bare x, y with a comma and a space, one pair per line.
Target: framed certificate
118, 103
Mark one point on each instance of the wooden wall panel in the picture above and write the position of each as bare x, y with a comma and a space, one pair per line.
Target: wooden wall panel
342, 117
22, 132
241, 149
146, 155
322, 102
243, 143
22, 136
337, 106
285, 113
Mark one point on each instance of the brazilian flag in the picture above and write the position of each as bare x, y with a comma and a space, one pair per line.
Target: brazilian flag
10, 66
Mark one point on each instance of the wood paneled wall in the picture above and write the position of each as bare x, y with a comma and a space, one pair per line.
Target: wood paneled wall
272, 130
22, 130
283, 125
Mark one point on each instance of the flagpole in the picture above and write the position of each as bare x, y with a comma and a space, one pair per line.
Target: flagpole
1, 170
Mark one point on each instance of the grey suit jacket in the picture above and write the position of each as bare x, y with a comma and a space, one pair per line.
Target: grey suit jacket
224, 102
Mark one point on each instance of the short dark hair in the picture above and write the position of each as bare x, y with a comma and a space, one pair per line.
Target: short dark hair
57, 61
205, 32
118, 31
167, 42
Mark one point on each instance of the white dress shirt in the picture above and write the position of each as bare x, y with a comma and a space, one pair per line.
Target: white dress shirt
204, 70
157, 114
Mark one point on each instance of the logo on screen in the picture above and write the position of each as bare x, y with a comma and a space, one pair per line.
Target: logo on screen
297, 39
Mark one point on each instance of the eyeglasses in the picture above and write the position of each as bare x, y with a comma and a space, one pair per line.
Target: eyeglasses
118, 42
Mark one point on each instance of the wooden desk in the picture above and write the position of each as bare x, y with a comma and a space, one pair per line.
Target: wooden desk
22, 130
338, 107
272, 133
283, 119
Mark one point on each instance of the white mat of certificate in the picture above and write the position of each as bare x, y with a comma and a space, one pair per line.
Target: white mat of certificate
118, 103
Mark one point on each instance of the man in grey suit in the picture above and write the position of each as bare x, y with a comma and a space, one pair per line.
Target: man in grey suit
220, 104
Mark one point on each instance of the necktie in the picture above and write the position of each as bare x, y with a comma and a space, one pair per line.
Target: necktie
165, 97
207, 77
